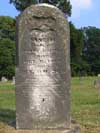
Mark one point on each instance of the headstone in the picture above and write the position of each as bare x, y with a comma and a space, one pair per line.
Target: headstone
98, 75
3, 79
97, 84
43, 69
13, 80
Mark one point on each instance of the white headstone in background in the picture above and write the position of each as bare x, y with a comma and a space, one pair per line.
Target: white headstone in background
98, 75
97, 84
3, 79
13, 80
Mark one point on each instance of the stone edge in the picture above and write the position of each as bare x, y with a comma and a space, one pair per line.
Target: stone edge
73, 129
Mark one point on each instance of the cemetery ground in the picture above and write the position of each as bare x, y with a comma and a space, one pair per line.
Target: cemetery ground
85, 101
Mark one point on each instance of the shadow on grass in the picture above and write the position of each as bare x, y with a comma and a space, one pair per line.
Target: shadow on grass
7, 116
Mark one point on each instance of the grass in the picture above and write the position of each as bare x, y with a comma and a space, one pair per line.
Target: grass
7, 96
85, 101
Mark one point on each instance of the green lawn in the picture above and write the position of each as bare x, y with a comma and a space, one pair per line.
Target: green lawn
85, 101
7, 96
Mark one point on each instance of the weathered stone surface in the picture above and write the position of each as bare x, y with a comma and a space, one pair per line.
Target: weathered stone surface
43, 69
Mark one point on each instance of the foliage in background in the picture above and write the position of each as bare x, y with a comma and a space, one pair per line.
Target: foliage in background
64, 5
91, 50
7, 27
78, 65
85, 50
7, 47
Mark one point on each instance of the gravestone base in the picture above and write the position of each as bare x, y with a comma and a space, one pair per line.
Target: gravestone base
43, 131
74, 129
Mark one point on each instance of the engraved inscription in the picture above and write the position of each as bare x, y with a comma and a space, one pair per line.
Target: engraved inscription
42, 43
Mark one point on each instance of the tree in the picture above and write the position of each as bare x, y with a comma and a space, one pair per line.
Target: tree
91, 51
7, 58
64, 5
76, 45
7, 27
7, 46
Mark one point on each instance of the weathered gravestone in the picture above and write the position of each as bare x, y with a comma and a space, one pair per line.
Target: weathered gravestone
43, 69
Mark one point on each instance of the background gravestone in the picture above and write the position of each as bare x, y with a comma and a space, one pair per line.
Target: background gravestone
13, 80
3, 79
97, 84
43, 69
